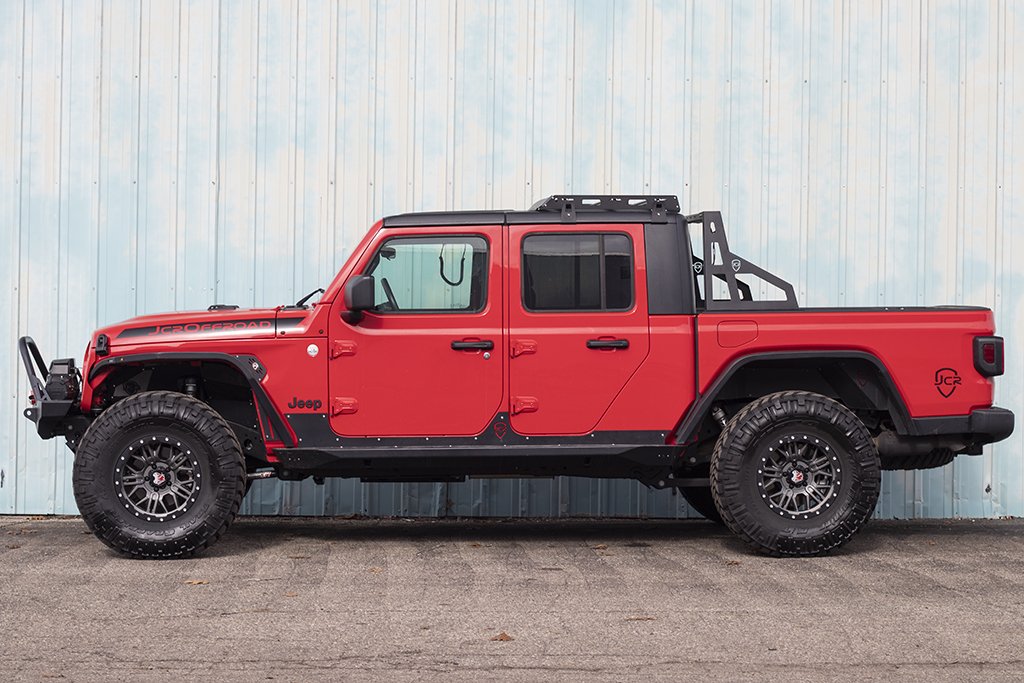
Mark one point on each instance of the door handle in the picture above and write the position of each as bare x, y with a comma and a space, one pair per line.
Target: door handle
524, 404
521, 347
482, 345
607, 343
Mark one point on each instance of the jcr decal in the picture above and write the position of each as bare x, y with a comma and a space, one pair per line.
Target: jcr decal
946, 381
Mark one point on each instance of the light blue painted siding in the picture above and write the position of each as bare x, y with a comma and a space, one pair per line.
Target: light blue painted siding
159, 156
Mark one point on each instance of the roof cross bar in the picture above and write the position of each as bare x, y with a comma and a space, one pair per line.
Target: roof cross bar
660, 206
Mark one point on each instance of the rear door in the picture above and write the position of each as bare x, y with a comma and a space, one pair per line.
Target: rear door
578, 323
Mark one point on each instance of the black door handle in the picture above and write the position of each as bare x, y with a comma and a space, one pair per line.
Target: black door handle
482, 345
607, 343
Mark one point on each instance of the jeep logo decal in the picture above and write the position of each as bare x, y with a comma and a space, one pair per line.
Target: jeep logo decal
301, 404
946, 381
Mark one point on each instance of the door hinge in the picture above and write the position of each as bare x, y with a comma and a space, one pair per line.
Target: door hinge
524, 404
344, 406
521, 347
342, 348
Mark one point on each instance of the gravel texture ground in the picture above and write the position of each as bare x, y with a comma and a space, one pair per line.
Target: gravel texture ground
343, 599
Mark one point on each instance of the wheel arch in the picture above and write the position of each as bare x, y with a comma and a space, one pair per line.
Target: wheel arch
226, 379
858, 379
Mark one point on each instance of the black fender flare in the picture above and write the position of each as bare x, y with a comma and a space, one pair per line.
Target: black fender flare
702, 406
250, 367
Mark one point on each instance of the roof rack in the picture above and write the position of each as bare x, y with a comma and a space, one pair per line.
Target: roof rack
569, 205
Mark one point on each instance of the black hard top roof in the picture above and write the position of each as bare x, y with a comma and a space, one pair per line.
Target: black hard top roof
555, 209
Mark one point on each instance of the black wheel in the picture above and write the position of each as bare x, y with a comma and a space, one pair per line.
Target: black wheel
795, 473
159, 475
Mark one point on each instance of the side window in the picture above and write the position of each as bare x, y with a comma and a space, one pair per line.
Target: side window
445, 274
577, 272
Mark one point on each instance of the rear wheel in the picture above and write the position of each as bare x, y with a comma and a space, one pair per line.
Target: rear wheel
159, 475
795, 473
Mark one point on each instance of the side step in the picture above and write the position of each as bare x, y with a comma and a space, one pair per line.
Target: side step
650, 464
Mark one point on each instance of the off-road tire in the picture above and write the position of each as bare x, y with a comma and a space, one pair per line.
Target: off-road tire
701, 500
156, 417
939, 457
793, 419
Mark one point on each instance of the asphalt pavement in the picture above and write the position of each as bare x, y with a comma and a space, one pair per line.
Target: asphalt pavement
349, 599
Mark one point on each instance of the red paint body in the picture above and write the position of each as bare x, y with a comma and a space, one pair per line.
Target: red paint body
396, 375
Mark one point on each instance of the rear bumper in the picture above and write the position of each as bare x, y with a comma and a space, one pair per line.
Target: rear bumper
981, 426
989, 425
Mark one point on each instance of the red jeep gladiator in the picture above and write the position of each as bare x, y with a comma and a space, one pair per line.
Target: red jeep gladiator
590, 336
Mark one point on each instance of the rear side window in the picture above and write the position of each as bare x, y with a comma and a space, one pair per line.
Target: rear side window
577, 272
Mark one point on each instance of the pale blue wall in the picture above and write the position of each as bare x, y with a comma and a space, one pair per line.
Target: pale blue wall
158, 156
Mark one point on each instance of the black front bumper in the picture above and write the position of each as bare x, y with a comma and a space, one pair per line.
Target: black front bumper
54, 415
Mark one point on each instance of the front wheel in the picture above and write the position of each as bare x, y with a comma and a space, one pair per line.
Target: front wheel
159, 475
701, 500
795, 473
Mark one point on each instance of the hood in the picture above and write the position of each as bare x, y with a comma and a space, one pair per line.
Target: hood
248, 323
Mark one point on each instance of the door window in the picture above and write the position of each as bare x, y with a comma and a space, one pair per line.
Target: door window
577, 272
436, 274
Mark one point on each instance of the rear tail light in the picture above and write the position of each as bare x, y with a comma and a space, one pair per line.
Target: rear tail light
988, 356
988, 352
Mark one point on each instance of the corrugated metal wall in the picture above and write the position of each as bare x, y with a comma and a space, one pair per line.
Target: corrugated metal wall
164, 155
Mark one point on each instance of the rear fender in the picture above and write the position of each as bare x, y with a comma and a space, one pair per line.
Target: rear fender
860, 379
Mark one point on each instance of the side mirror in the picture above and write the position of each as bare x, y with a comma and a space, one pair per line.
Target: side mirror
359, 295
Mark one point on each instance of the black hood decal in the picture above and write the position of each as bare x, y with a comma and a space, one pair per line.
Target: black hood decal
210, 327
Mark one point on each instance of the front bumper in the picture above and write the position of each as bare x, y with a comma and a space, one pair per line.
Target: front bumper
54, 395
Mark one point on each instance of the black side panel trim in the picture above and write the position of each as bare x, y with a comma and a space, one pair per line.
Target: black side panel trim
669, 280
653, 466
249, 366
314, 432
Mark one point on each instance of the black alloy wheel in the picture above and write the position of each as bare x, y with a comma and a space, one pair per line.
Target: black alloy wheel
795, 473
158, 475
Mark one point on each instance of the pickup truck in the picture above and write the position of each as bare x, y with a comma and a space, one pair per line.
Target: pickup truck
596, 336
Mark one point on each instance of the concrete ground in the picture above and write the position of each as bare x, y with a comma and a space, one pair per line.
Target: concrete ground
305, 599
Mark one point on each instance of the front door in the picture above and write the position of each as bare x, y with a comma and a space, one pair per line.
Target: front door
427, 360
578, 323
